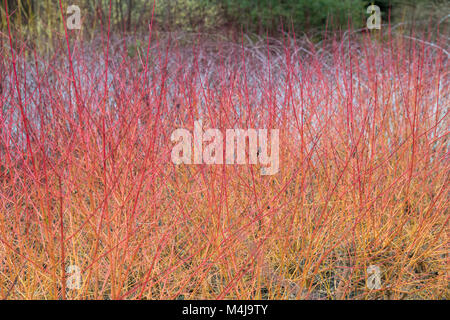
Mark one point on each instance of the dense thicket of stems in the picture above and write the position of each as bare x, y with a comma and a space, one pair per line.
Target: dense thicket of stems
86, 177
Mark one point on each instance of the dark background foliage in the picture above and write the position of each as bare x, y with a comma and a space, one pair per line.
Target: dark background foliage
255, 16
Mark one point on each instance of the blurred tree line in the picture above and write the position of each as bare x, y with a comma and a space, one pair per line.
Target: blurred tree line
258, 16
